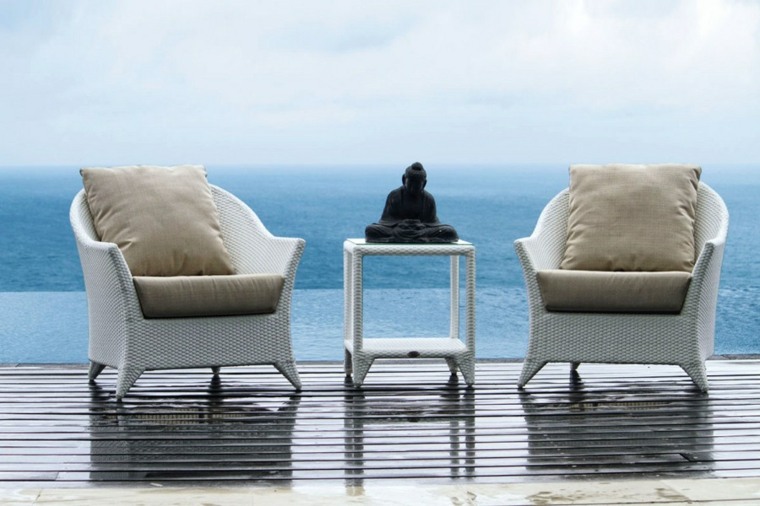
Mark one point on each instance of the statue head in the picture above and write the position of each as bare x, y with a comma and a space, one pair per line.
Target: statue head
414, 178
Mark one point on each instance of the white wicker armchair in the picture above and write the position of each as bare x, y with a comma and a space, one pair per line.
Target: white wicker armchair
685, 339
121, 337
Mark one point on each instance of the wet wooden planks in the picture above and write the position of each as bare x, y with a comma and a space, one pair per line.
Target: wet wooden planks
409, 421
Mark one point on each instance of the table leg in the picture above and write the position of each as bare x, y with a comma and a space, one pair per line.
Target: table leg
347, 305
454, 288
359, 363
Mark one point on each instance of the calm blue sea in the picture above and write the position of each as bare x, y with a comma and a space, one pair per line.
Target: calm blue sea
43, 314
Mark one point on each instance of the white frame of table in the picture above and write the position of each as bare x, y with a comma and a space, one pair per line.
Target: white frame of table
361, 352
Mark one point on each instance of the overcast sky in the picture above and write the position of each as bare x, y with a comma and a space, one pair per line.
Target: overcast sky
380, 82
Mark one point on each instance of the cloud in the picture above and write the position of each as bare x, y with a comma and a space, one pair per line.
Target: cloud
298, 81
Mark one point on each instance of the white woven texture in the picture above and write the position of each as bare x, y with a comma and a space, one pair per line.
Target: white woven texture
121, 337
361, 352
685, 339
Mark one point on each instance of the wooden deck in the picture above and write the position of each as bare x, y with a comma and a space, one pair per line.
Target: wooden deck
409, 422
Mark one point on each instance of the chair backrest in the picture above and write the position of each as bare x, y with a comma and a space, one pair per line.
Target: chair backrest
234, 215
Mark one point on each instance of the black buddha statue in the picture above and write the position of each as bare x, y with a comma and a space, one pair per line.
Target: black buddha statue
410, 214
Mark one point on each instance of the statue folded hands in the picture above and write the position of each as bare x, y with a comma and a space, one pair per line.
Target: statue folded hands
410, 214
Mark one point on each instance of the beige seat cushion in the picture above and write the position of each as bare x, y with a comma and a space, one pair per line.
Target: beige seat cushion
190, 296
631, 217
163, 219
613, 292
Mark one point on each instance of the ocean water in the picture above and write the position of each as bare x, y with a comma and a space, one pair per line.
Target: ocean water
43, 314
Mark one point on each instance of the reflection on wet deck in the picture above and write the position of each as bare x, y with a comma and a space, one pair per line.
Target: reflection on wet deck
410, 421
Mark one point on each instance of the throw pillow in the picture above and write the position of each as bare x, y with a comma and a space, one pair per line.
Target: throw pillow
163, 219
631, 217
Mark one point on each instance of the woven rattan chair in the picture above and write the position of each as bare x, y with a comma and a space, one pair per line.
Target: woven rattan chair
685, 339
121, 337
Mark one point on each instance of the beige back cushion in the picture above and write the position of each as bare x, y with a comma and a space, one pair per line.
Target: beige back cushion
631, 217
163, 219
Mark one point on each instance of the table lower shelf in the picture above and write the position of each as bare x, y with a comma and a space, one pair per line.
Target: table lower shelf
410, 347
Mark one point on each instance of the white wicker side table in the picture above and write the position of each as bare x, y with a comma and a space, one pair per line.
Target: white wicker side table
361, 352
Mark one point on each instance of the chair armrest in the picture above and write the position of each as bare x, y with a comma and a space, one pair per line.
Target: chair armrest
272, 254
710, 235
535, 253
104, 267
111, 297
544, 248
107, 277
280, 255
703, 289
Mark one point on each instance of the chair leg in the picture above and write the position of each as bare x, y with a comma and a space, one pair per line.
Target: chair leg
697, 373
95, 370
529, 369
125, 379
574, 376
288, 369
452, 365
467, 366
215, 370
